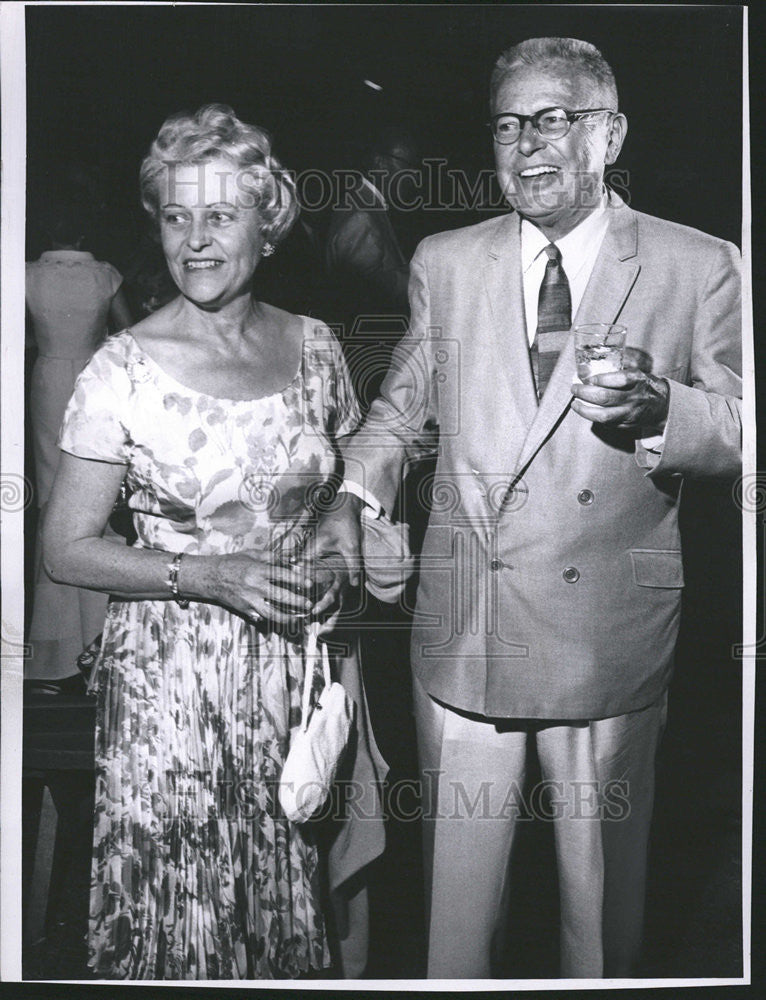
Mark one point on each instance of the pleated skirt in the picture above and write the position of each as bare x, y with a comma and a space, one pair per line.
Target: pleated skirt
195, 874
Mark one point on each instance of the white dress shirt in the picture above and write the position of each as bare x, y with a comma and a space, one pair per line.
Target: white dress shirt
579, 250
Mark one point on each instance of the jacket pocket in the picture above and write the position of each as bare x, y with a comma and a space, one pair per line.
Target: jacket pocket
658, 568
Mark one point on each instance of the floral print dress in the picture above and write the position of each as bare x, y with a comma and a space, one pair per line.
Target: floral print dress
196, 873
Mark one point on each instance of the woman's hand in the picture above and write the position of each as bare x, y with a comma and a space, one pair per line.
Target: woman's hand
253, 584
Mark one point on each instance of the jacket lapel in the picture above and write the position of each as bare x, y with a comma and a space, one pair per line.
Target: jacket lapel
613, 276
502, 278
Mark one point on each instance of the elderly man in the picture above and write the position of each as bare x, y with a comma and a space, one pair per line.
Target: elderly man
550, 588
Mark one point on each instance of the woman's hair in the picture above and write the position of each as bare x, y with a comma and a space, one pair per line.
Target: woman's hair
215, 131
67, 222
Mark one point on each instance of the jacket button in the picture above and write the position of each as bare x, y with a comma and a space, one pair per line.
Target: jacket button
496, 564
571, 574
585, 497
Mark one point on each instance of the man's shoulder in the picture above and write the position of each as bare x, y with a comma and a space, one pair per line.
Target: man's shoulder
466, 239
674, 237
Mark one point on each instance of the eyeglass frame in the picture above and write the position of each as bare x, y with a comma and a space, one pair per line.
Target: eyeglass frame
571, 116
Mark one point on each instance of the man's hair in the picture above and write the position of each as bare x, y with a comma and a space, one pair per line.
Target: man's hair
551, 53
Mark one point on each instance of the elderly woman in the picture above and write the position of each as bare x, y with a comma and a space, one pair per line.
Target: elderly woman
222, 414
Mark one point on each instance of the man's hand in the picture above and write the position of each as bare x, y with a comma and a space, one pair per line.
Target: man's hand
630, 399
334, 553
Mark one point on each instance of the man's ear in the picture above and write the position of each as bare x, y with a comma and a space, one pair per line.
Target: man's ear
617, 132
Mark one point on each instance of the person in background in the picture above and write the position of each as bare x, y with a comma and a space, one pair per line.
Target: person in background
223, 414
366, 251
551, 574
148, 284
72, 301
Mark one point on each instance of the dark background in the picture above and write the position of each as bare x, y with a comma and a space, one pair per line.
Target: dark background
102, 79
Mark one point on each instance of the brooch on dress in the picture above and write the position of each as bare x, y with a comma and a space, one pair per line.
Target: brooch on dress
137, 370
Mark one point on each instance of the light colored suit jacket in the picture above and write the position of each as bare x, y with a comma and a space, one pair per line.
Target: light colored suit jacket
551, 572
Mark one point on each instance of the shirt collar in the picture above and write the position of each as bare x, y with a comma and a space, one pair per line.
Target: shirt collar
376, 192
66, 255
573, 246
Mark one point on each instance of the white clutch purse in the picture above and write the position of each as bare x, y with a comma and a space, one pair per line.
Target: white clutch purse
318, 743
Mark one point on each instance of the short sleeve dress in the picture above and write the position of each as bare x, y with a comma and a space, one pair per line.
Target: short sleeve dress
196, 873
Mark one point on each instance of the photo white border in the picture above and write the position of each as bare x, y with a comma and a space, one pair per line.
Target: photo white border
12, 225
12, 231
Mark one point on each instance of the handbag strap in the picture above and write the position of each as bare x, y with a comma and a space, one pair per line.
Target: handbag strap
314, 654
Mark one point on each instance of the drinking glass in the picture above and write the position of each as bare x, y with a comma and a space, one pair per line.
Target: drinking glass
599, 348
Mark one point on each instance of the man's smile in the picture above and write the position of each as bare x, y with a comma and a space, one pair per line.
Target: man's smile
538, 171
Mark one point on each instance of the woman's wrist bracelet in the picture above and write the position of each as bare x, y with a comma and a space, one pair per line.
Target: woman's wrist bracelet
172, 580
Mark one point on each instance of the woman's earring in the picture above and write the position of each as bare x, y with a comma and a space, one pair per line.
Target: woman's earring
267, 249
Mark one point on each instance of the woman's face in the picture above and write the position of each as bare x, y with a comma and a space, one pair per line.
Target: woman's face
211, 229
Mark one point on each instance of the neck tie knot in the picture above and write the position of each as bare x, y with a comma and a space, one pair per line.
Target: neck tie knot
553, 252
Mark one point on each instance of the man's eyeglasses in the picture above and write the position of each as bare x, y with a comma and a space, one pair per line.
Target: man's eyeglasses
550, 123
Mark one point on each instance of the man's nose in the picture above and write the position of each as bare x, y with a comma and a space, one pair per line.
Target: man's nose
530, 140
198, 234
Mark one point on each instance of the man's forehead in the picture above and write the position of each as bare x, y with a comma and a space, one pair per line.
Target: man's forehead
547, 85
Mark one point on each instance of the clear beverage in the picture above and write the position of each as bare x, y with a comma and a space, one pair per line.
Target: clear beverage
595, 359
599, 348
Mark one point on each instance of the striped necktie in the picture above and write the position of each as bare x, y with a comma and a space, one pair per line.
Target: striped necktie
554, 318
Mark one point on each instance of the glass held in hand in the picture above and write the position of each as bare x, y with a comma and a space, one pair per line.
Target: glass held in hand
599, 348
